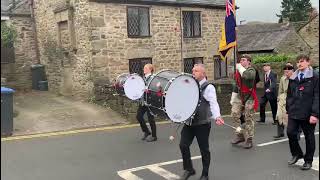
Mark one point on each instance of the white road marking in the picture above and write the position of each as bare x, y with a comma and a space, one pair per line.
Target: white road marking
164, 173
279, 141
315, 163
127, 174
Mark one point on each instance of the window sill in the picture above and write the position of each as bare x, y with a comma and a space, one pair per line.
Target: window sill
195, 37
137, 37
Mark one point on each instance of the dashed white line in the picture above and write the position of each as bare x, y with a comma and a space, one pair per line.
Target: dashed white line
164, 173
279, 141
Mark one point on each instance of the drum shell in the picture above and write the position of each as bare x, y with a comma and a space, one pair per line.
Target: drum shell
119, 84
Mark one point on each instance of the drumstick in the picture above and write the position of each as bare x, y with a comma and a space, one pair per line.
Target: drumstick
172, 137
229, 125
238, 129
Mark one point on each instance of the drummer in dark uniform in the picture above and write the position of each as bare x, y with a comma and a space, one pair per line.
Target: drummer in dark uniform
142, 109
200, 125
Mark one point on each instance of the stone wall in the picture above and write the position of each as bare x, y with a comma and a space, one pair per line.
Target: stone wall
105, 96
100, 48
310, 33
112, 49
65, 51
18, 74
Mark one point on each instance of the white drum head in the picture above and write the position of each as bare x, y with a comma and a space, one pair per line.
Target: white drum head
182, 98
134, 87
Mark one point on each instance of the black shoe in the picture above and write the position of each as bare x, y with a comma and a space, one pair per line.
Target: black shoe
151, 139
274, 123
278, 136
204, 178
306, 166
294, 159
260, 121
145, 136
187, 174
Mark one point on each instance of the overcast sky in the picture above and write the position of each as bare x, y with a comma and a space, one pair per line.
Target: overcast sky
261, 10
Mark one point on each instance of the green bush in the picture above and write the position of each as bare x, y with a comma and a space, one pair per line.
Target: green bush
259, 59
8, 35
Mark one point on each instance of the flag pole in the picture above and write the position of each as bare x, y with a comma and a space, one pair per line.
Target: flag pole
235, 51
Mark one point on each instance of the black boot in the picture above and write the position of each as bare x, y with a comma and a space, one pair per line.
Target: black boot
280, 131
238, 139
248, 144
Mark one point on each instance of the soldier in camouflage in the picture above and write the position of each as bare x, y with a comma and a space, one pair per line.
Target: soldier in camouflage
244, 101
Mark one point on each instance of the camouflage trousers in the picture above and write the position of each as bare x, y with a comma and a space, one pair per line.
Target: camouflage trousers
236, 111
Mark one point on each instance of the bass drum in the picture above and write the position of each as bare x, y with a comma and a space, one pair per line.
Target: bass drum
130, 85
173, 95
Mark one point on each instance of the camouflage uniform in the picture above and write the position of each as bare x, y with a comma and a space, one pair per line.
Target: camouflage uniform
282, 95
247, 79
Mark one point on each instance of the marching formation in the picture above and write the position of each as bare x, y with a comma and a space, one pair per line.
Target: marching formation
164, 94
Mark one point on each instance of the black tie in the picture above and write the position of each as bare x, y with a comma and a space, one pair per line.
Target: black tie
301, 76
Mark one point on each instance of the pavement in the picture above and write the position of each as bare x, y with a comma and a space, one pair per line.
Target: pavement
118, 153
41, 112
37, 112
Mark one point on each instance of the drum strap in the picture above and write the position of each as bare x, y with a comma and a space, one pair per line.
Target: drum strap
202, 87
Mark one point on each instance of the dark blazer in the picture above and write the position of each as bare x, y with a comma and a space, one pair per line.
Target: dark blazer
303, 96
270, 83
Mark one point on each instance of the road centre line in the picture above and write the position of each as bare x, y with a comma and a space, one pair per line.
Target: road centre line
127, 173
279, 141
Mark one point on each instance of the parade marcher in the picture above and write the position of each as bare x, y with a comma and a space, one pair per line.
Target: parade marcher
142, 109
270, 94
282, 117
302, 105
244, 101
200, 125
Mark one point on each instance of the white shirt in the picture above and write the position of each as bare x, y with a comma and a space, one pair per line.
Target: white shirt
267, 75
210, 95
304, 73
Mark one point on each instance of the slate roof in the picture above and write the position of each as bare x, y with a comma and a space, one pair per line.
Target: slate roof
21, 7
261, 36
5, 5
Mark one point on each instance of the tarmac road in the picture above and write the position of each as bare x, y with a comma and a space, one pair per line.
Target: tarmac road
107, 154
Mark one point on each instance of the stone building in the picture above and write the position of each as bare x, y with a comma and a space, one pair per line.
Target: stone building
310, 33
15, 67
87, 43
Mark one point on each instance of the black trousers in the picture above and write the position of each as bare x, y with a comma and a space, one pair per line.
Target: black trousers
140, 113
308, 130
274, 106
201, 132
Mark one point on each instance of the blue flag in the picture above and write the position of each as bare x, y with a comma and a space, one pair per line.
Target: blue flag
228, 35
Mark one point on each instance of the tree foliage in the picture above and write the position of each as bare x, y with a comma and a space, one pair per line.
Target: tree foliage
295, 10
8, 35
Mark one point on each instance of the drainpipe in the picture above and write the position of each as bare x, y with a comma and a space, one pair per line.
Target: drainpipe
181, 40
34, 29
